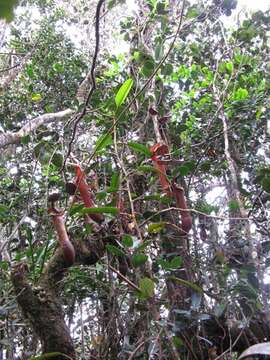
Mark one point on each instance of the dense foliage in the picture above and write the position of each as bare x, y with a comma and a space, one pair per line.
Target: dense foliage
142, 285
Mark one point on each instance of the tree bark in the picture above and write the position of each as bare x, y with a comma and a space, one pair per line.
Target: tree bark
8, 138
41, 304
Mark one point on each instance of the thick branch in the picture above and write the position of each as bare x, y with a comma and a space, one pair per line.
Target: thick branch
15, 137
43, 311
41, 305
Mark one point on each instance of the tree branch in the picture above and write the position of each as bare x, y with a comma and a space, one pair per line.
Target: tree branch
15, 137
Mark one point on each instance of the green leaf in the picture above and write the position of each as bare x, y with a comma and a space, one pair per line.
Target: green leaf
101, 195
183, 170
88, 228
177, 341
51, 355
205, 166
175, 263
6, 9
115, 182
233, 205
206, 208
187, 167
29, 71
155, 228
186, 283
147, 287
161, 8
244, 288
42, 152
138, 259
164, 264
153, 197
229, 67
140, 148
167, 70
58, 160
115, 250
127, 240
143, 246
3, 209
37, 149
36, 97
104, 141
240, 94
164, 199
147, 169
123, 92
111, 4
159, 50
148, 68
76, 209
100, 210
58, 68
192, 12
25, 139
266, 184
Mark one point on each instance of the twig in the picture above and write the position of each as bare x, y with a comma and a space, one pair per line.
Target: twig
255, 203
172, 348
147, 82
9, 239
129, 282
134, 352
196, 212
17, 68
121, 164
9, 68
92, 79
232, 346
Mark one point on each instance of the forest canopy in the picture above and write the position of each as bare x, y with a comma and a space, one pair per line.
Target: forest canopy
135, 180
